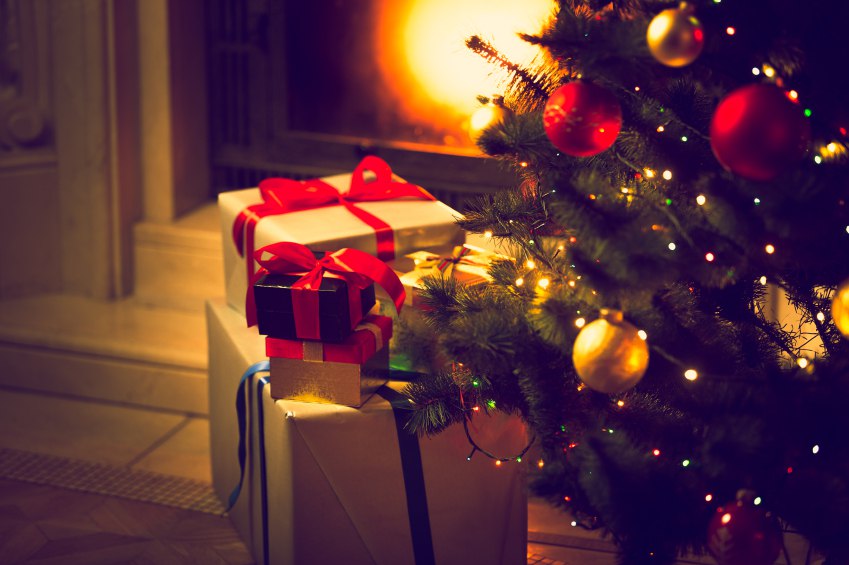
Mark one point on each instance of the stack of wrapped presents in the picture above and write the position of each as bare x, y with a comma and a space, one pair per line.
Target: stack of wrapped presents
310, 451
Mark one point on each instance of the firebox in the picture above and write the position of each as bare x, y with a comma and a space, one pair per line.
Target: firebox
304, 89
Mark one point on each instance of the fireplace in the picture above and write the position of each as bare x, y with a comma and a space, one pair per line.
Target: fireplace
305, 89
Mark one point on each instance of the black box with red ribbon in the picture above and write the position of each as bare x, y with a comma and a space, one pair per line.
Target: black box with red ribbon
275, 308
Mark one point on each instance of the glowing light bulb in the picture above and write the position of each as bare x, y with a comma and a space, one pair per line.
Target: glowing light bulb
769, 71
660, 129
520, 281
574, 523
667, 175
757, 201
642, 334
684, 138
656, 452
530, 264
671, 246
832, 147
769, 248
817, 159
523, 164
543, 283
691, 374
498, 462
820, 317
540, 463
763, 280
701, 199
756, 71
726, 518
709, 257
802, 362
730, 30
649, 173
620, 404
708, 497
793, 95
757, 501
580, 322
572, 284
487, 234
636, 89
685, 463
815, 449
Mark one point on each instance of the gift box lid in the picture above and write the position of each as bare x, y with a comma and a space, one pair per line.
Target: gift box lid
371, 335
273, 294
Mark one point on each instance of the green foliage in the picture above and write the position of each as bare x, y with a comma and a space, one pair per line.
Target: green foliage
684, 257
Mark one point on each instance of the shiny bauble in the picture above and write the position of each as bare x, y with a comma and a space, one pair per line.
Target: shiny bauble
609, 354
840, 308
741, 533
582, 119
675, 36
757, 132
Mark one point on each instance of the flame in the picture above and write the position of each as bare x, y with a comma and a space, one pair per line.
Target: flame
425, 60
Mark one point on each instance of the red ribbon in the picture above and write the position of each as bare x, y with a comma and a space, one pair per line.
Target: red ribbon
281, 196
357, 349
357, 268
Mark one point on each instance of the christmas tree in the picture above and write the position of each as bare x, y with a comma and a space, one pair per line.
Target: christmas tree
681, 165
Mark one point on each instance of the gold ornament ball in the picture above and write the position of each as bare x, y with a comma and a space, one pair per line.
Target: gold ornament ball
485, 117
675, 36
840, 308
609, 354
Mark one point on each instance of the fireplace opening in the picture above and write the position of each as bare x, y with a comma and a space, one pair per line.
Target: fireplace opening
307, 88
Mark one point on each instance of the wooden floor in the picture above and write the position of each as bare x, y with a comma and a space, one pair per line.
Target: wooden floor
46, 525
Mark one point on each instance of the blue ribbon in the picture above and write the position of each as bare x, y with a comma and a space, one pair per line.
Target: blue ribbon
414, 484
411, 464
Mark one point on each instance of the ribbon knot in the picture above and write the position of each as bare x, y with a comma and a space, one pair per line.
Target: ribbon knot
356, 268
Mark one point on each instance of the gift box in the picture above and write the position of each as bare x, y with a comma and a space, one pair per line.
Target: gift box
466, 263
371, 210
346, 373
326, 483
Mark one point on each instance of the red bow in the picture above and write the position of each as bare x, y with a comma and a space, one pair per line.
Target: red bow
357, 268
281, 196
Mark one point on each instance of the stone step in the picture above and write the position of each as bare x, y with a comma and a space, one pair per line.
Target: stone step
179, 265
124, 351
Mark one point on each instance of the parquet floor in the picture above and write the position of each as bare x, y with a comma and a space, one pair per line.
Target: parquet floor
49, 525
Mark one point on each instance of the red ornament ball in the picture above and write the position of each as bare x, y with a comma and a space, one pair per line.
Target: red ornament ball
582, 119
757, 132
740, 533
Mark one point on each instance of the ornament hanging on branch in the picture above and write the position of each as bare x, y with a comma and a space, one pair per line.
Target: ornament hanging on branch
757, 132
675, 36
609, 354
840, 308
740, 533
582, 119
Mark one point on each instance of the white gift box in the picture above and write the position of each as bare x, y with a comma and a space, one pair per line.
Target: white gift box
416, 224
336, 486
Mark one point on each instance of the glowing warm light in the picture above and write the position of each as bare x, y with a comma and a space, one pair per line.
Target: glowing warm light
832, 147
567, 498
770, 248
701, 199
802, 362
667, 175
763, 280
757, 501
684, 138
660, 129
726, 518
649, 173
793, 95
530, 264
730, 30
540, 463
498, 462
487, 234
709, 257
642, 335
620, 404
756, 71
817, 159
691, 374
523, 164
685, 463
580, 322
543, 283
520, 281
708, 497
425, 57
769, 71
574, 523
820, 317
672, 246
572, 284
656, 452
815, 449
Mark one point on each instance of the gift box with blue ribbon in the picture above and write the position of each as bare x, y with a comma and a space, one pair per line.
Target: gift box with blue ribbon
324, 483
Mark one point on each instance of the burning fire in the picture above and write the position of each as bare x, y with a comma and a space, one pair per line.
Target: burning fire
435, 77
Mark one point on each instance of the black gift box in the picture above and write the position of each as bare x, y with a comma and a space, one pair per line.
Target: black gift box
275, 318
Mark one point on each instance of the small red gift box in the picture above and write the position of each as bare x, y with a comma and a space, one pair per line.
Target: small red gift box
345, 373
